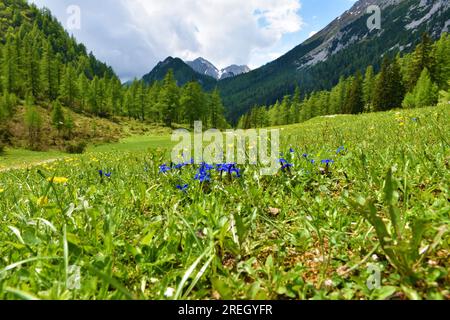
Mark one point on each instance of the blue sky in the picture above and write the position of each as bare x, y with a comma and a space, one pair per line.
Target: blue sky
134, 35
316, 15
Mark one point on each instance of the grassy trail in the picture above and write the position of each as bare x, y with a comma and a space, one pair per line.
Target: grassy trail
20, 158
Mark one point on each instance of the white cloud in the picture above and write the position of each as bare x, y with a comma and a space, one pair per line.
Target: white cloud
133, 35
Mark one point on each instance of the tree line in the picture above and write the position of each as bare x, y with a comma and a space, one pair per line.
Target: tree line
410, 81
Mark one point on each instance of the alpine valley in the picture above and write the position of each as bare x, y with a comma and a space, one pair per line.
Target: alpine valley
155, 189
345, 46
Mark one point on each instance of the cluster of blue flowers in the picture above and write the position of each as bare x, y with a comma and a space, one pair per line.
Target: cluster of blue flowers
327, 162
164, 168
285, 164
104, 174
183, 187
204, 172
229, 168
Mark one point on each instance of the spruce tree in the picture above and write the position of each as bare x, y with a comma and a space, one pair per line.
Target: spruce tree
442, 61
355, 102
422, 58
168, 100
191, 102
295, 108
368, 88
216, 110
389, 89
425, 92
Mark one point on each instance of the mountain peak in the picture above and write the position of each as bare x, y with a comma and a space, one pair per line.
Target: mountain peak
203, 66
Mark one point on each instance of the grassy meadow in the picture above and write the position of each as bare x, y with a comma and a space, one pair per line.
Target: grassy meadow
361, 211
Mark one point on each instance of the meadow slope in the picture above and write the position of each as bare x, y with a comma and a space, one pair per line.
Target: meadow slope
362, 213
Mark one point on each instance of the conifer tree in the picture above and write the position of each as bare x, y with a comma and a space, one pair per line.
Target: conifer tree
69, 89
355, 101
422, 58
168, 100
285, 109
424, 94
58, 116
33, 122
48, 73
216, 109
9, 67
191, 102
368, 88
442, 61
389, 89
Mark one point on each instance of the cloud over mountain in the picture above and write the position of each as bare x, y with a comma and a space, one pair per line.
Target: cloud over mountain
134, 35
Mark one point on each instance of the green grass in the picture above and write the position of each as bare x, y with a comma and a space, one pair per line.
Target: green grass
135, 144
311, 233
19, 158
22, 158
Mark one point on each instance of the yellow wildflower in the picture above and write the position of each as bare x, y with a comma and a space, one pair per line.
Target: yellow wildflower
60, 180
42, 201
2, 190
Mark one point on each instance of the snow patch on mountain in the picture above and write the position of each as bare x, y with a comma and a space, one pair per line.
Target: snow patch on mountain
203, 66
434, 9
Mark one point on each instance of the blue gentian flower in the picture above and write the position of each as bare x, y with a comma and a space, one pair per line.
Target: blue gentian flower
106, 174
229, 168
285, 164
327, 162
206, 167
313, 161
291, 150
180, 166
305, 155
183, 187
164, 168
340, 149
202, 176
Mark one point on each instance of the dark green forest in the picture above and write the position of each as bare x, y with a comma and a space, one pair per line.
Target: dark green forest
409, 81
273, 81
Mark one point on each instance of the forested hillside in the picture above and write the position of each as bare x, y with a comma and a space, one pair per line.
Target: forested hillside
41, 65
345, 46
415, 80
